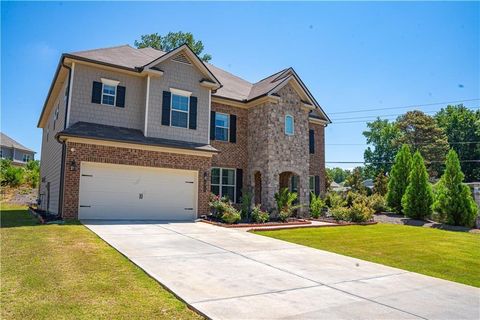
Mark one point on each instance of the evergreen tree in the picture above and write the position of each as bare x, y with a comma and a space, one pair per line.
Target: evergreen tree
418, 198
381, 183
398, 178
454, 201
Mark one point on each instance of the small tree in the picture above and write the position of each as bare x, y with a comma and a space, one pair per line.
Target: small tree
381, 184
418, 198
398, 178
354, 181
454, 200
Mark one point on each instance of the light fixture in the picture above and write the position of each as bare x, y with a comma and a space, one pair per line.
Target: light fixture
73, 165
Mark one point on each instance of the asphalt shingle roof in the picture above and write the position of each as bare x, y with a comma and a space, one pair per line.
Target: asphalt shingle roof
127, 135
8, 142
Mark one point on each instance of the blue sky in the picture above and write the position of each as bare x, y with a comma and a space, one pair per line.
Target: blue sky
352, 56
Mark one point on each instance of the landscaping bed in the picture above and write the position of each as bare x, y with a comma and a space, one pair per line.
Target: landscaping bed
253, 224
44, 216
344, 223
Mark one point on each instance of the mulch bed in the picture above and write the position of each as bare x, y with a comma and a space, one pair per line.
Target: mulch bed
44, 216
344, 223
251, 225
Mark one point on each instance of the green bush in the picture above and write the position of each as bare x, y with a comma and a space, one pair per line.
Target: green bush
453, 199
377, 203
418, 198
284, 215
259, 216
360, 211
340, 213
285, 206
334, 200
218, 204
246, 203
231, 215
32, 173
12, 176
398, 178
316, 205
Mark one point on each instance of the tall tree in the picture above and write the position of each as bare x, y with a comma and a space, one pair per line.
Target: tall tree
381, 135
462, 127
422, 133
381, 184
171, 41
418, 198
338, 174
398, 178
454, 199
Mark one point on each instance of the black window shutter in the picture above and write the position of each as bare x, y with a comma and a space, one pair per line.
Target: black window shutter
311, 141
193, 113
233, 128
212, 125
120, 97
317, 185
239, 185
166, 108
97, 92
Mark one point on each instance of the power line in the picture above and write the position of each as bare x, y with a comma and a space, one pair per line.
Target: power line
404, 107
384, 115
425, 143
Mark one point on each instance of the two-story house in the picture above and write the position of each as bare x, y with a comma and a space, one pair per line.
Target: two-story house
14, 151
144, 134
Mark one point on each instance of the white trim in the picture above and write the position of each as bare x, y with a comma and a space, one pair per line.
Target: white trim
137, 146
180, 92
293, 125
110, 82
187, 112
209, 113
228, 128
109, 95
146, 106
220, 184
70, 95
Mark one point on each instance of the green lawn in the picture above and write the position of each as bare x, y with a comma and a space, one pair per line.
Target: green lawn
449, 255
67, 272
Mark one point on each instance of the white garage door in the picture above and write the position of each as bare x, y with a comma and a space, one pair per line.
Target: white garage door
110, 191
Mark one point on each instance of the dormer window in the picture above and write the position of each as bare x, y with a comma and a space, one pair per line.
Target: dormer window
289, 125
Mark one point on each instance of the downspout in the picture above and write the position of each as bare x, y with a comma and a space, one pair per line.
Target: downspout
64, 146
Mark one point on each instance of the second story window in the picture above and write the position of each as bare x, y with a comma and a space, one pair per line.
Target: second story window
179, 111
108, 94
289, 125
222, 126
26, 157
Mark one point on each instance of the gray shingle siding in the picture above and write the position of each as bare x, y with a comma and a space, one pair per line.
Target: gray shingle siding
184, 77
50, 165
131, 116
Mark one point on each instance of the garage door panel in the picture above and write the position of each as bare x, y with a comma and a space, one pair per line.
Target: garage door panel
109, 191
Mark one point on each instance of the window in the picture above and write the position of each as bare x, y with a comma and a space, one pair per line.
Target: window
223, 183
222, 126
1, 153
26, 157
311, 183
288, 124
294, 184
108, 94
179, 111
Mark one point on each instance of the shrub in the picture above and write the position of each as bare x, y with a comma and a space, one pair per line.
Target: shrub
259, 216
360, 211
316, 205
246, 204
219, 205
453, 199
231, 215
381, 184
340, 213
398, 178
418, 198
32, 173
285, 206
377, 203
12, 176
334, 200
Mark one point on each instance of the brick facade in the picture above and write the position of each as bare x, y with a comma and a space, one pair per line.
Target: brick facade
232, 155
127, 156
317, 160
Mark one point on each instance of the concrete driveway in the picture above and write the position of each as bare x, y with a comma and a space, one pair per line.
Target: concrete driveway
230, 274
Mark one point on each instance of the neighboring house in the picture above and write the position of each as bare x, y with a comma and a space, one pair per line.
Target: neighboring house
338, 187
144, 134
12, 150
368, 183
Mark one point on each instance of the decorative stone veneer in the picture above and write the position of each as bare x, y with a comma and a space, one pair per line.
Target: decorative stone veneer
232, 155
135, 157
317, 160
271, 151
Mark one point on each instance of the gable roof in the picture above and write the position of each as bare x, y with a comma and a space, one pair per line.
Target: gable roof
6, 141
229, 85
